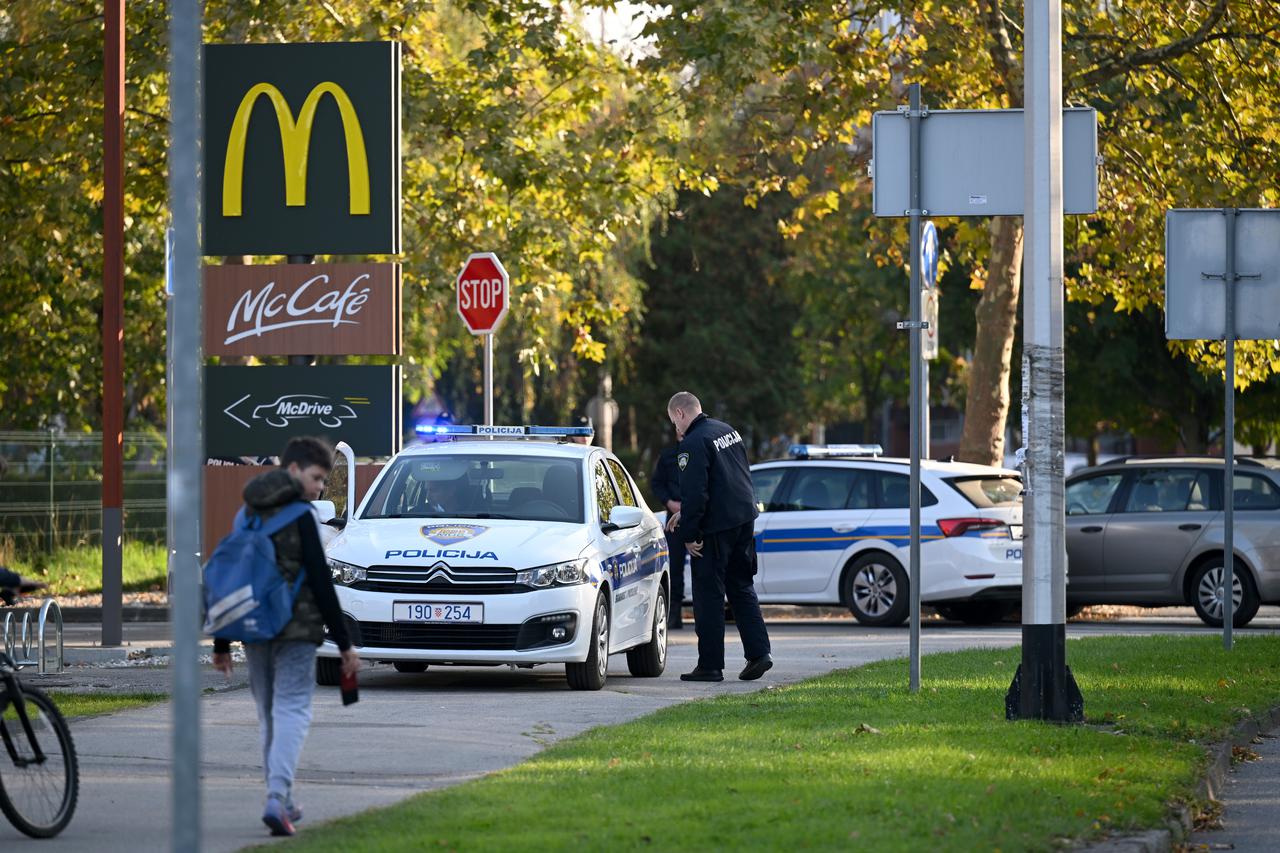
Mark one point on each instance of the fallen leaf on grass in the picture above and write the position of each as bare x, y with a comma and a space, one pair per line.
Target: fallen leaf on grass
864, 729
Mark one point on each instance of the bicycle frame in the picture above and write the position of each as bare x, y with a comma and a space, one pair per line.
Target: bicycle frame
13, 696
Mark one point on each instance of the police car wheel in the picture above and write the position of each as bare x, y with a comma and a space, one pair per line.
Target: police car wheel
591, 673
650, 659
409, 666
328, 672
875, 590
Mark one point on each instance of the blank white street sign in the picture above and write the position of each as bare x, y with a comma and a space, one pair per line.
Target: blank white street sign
972, 162
1195, 243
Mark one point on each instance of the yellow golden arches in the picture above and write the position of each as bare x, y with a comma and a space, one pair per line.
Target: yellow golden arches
295, 142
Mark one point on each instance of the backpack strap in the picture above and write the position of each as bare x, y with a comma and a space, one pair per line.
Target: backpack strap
286, 516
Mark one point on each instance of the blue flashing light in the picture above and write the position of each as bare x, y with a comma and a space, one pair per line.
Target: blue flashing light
834, 451
503, 431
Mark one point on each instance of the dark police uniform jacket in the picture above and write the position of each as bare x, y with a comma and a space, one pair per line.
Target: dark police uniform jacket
665, 481
715, 480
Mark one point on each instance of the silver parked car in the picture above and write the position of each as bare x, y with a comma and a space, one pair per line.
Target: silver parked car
1149, 532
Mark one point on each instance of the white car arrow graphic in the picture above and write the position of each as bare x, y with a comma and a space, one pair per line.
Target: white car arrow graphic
227, 412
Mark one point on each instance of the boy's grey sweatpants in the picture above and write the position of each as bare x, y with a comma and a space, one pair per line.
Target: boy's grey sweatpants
282, 678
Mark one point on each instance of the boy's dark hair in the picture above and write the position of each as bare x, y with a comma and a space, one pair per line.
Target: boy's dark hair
307, 450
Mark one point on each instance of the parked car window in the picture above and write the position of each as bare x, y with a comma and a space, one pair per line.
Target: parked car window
766, 484
984, 492
894, 492
606, 497
1092, 495
825, 488
1166, 490
1254, 492
624, 484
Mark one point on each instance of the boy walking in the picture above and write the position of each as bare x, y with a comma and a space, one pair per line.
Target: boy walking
282, 670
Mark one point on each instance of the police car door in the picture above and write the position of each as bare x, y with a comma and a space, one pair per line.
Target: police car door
812, 525
622, 559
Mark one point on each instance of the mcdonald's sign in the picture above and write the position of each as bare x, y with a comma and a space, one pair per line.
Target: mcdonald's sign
302, 148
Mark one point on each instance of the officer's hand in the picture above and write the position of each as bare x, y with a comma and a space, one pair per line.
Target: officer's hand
673, 521
673, 506
222, 663
350, 662
694, 548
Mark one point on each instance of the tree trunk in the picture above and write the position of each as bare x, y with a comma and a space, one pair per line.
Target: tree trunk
987, 406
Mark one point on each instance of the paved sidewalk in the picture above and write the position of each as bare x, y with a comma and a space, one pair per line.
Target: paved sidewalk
408, 733
1251, 805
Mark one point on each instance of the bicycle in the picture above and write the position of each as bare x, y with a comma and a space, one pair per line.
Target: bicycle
40, 780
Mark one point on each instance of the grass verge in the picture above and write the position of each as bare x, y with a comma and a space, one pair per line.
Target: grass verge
78, 571
852, 759
93, 704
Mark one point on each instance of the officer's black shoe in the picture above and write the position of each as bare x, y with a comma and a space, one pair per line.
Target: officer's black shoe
675, 621
700, 674
756, 668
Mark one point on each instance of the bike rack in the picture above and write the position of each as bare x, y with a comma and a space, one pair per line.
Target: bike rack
17, 643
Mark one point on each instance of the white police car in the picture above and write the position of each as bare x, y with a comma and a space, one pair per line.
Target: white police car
503, 549
834, 528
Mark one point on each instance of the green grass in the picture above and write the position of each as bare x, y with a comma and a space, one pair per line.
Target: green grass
852, 759
92, 704
79, 571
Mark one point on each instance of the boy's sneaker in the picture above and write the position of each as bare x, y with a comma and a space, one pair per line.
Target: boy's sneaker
276, 816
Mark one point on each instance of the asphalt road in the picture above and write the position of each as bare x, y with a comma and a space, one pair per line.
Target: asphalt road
411, 733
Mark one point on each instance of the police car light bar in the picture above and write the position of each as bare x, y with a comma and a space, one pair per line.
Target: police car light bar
834, 451
504, 431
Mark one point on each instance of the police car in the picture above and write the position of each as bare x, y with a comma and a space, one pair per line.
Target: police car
502, 545
834, 528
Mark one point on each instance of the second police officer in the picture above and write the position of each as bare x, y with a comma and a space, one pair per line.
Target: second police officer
716, 522
666, 487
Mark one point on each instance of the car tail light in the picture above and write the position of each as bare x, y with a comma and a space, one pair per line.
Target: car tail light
961, 526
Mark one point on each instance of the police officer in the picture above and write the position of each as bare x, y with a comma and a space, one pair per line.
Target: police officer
666, 487
717, 514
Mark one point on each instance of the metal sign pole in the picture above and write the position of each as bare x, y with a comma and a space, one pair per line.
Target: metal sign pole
488, 378
185, 489
917, 396
1229, 437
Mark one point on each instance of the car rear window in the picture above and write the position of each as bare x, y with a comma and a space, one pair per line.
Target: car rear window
988, 491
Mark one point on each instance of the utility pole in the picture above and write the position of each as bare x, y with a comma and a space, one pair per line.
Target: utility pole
1043, 687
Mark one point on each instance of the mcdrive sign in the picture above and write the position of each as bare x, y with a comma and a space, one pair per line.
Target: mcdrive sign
302, 309
302, 148
253, 411
482, 293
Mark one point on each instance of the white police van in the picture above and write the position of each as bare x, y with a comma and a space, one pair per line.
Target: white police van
834, 528
502, 545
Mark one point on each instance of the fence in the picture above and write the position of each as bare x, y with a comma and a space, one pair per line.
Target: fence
51, 489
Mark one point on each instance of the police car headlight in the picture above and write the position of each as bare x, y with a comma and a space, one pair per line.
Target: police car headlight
571, 572
345, 573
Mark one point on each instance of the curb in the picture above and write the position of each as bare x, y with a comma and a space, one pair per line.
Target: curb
132, 613
1181, 824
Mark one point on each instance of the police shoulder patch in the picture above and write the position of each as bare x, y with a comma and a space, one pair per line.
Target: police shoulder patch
682, 460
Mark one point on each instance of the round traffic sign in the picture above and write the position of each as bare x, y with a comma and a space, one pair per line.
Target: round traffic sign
929, 255
482, 293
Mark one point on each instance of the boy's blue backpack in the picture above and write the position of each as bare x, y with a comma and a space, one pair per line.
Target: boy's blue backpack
246, 597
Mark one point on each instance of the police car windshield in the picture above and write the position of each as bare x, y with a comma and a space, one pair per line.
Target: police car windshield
470, 485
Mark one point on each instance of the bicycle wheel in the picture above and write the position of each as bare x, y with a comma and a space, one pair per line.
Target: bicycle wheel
38, 798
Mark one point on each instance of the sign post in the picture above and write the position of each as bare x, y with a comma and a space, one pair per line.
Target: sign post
1230, 239
483, 299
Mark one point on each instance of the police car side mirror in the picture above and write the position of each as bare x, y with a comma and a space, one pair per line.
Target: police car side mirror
622, 518
327, 513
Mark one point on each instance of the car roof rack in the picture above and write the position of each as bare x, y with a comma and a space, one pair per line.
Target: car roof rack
447, 432
834, 451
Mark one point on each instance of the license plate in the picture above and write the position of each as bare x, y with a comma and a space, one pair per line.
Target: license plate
437, 611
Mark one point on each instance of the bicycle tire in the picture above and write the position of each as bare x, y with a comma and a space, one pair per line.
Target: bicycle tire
27, 824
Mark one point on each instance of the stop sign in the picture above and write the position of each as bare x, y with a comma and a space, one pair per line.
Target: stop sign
482, 293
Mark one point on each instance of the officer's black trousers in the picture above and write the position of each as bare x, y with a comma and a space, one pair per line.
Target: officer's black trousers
675, 547
727, 568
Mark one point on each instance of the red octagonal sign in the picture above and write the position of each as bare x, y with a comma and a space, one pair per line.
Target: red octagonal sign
482, 293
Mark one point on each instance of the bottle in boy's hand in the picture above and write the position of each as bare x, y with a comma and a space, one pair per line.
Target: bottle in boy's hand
350, 689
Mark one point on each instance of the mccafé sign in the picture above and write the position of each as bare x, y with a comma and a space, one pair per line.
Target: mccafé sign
302, 309
302, 148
